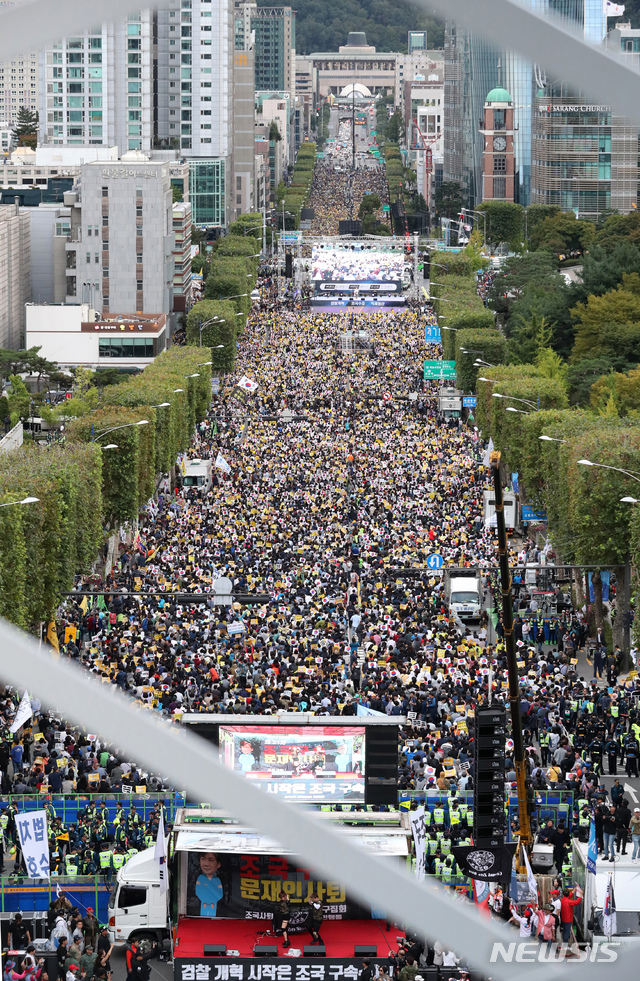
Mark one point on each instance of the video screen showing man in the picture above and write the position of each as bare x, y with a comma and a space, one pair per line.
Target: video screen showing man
327, 752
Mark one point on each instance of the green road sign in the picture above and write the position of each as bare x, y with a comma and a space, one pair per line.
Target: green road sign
385, 208
439, 369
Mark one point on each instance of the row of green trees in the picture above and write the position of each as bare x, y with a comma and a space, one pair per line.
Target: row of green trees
179, 377
84, 491
215, 322
295, 195
591, 322
467, 326
589, 522
44, 544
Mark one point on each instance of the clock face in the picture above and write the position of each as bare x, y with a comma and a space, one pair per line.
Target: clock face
499, 143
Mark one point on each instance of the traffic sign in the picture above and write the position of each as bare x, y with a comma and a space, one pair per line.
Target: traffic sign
432, 333
387, 396
469, 402
530, 514
439, 369
435, 561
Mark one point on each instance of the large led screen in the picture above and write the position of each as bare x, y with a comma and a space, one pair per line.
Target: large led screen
319, 763
356, 266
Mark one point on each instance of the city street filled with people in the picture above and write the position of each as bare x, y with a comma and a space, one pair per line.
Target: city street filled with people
340, 480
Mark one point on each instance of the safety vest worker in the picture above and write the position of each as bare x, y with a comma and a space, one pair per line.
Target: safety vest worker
71, 865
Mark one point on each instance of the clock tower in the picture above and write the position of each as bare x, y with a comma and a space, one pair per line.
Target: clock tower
498, 162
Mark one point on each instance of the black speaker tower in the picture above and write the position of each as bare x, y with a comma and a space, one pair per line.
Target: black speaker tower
488, 787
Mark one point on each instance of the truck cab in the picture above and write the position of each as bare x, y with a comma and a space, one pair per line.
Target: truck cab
198, 475
627, 899
450, 403
463, 593
138, 910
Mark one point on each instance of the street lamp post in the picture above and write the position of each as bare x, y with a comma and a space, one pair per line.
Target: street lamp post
128, 425
25, 500
512, 398
470, 211
207, 323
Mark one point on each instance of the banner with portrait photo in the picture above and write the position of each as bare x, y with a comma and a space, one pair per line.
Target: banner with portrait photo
235, 886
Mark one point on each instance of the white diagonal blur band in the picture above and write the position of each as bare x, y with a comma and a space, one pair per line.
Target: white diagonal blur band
549, 42
190, 764
545, 40
38, 23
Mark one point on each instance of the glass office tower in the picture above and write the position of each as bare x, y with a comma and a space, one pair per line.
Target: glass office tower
473, 66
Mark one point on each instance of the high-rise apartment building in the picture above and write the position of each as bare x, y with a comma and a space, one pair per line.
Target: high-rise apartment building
473, 67
15, 282
97, 88
18, 81
243, 115
195, 76
182, 220
274, 34
195, 46
159, 80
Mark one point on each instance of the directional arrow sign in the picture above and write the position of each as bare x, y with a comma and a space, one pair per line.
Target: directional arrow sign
435, 561
628, 789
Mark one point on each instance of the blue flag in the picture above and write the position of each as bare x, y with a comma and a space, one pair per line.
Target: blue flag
592, 851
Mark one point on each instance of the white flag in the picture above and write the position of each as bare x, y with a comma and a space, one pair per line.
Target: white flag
533, 885
486, 459
419, 830
247, 384
34, 842
24, 712
160, 855
222, 464
613, 9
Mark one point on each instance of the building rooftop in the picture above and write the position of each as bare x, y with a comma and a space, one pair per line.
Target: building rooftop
498, 95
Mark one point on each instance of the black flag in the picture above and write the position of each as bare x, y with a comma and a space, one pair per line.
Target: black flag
487, 864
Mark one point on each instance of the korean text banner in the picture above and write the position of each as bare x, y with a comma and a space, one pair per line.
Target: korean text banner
254, 969
248, 887
32, 831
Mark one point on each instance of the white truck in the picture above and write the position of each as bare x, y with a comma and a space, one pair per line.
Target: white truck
198, 474
626, 891
450, 403
463, 593
511, 510
140, 910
